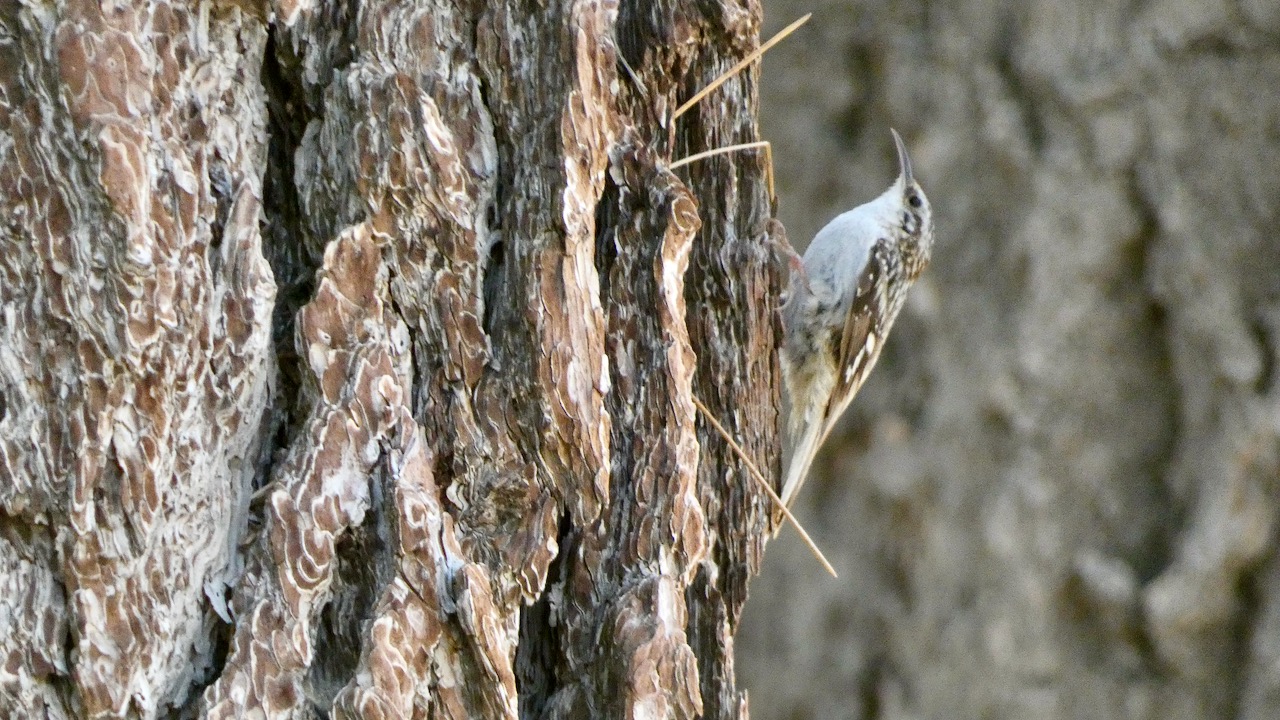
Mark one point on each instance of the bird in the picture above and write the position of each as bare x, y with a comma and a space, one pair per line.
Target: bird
841, 305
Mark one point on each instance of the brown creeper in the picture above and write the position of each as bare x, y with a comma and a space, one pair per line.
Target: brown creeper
841, 307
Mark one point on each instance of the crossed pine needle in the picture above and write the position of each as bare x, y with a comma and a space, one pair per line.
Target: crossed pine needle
753, 471
711, 86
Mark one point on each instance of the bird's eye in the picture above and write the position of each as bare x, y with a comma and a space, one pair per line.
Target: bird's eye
914, 201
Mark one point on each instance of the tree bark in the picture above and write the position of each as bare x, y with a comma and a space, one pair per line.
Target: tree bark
347, 356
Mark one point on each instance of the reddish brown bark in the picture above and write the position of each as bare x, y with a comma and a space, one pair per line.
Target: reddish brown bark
367, 339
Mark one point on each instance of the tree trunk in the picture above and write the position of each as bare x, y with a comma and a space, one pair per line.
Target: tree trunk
347, 356
1056, 497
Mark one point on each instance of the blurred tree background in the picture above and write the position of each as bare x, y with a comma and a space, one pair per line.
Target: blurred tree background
1056, 496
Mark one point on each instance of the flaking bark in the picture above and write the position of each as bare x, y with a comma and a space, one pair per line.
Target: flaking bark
348, 352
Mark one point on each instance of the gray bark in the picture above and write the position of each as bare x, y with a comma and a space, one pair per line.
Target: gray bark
347, 356
1056, 497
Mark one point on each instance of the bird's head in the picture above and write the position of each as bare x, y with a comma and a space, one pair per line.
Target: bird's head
914, 217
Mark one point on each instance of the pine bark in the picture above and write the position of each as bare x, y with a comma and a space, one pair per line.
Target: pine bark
347, 356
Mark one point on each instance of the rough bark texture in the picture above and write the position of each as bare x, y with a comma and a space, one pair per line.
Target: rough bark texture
1056, 497
347, 355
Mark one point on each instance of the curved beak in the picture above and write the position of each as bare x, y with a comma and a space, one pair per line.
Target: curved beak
904, 161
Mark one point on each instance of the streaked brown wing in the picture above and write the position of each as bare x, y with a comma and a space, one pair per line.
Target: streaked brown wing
859, 342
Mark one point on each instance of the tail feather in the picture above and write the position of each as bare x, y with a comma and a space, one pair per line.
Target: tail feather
809, 431
805, 425
801, 458
806, 437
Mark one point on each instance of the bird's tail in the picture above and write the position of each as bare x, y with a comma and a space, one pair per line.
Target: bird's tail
803, 449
